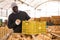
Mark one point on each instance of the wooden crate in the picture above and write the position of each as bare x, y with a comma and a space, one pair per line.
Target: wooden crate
55, 20
36, 19
45, 19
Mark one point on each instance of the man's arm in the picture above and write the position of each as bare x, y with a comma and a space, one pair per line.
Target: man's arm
27, 16
10, 23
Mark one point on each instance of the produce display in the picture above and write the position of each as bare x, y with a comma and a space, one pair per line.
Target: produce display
17, 36
33, 30
4, 32
54, 31
53, 28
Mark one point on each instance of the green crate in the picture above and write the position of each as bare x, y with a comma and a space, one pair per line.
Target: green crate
0, 22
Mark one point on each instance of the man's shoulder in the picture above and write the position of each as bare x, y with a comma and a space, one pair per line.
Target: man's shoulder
11, 14
22, 11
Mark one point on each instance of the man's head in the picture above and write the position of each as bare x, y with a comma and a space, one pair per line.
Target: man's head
14, 7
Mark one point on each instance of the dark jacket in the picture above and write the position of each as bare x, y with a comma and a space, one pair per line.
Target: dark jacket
12, 18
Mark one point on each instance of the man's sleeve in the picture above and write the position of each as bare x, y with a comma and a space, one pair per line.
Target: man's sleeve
27, 16
10, 23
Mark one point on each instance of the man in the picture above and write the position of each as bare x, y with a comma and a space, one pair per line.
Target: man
16, 17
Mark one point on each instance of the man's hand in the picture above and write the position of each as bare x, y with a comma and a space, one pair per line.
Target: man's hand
17, 22
31, 19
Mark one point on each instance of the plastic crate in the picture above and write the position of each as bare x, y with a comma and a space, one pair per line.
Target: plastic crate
33, 27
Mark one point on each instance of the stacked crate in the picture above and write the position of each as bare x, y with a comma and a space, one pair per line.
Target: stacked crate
45, 19
55, 20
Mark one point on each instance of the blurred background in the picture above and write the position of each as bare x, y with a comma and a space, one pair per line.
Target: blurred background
34, 8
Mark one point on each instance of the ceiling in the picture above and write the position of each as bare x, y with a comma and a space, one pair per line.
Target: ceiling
33, 3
